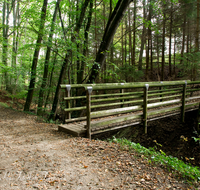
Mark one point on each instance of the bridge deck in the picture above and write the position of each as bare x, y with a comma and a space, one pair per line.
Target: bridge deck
79, 129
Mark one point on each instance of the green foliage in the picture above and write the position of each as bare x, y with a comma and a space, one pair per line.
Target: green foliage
191, 64
129, 73
172, 163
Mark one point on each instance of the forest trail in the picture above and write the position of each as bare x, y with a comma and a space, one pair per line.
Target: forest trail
35, 155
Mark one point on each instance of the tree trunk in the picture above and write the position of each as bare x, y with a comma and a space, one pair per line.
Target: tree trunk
170, 41
66, 60
148, 43
143, 38
109, 33
130, 38
47, 58
85, 46
183, 42
5, 24
35, 57
163, 48
134, 31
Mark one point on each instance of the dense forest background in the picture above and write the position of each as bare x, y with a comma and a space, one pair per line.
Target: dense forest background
45, 43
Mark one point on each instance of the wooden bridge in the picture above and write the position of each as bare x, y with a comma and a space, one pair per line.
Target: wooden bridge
111, 106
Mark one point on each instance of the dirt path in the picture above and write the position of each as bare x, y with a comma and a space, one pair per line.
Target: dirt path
35, 156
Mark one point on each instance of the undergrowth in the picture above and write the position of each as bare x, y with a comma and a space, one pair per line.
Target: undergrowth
173, 164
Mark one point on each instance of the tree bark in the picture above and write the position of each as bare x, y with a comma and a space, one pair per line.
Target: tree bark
5, 24
163, 47
109, 32
183, 41
66, 59
47, 58
170, 40
85, 46
143, 38
35, 58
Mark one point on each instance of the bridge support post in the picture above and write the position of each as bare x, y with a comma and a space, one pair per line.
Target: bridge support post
198, 119
183, 103
145, 107
88, 107
68, 105
161, 88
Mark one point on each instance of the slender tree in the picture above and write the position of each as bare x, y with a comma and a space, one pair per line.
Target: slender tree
67, 57
47, 58
143, 37
109, 33
35, 57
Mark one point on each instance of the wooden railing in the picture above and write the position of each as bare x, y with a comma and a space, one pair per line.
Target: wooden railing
125, 104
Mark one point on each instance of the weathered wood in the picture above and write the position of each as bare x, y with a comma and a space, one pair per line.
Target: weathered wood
161, 94
165, 93
68, 105
183, 103
164, 110
116, 111
88, 102
75, 98
115, 120
145, 107
75, 119
173, 92
122, 100
75, 130
158, 104
63, 86
138, 85
116, 98
198, 118
164, 90
75, 109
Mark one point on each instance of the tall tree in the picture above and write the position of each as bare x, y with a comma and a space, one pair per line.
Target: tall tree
47, 58
67, 57
109, 33
163, 46
143, 37
170, 39
35, 57
5, 23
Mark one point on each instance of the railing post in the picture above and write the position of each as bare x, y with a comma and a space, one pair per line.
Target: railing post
122, 91
68, 105
161, 88
198, 117
88, 105
183, 102
145, 107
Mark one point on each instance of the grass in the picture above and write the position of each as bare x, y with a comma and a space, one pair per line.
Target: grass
4, 105
173, 164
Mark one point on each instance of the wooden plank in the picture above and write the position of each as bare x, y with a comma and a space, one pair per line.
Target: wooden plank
115, 120
114, 128
73, 130
183, 103
157, 104
116, 98
75, 119
75, 98
164, 110
88, 94
145, 108
111, 84
116, 111
75, 109
68, 104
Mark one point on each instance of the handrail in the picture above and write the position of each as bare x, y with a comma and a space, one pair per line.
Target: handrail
132, 101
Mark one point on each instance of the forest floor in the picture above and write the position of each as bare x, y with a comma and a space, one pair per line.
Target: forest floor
34, 155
